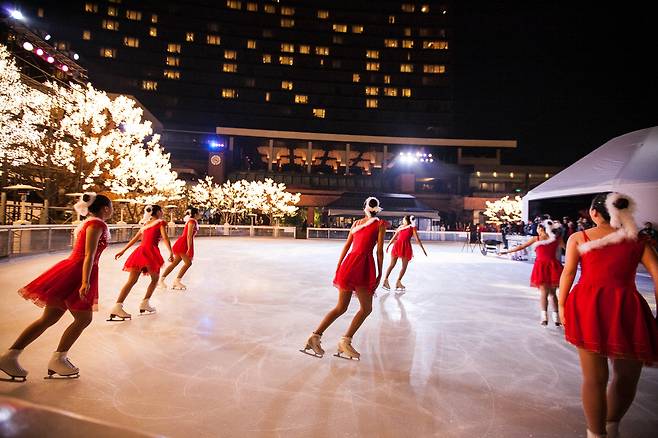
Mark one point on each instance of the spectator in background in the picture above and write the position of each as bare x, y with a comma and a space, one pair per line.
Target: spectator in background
648, 232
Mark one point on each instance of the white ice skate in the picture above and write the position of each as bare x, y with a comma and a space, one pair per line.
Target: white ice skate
61, 367
146, 308
556, 319
400, 288
161, 284
345, 347
386, 286
178, 285
313, 344
544, 318
10, 366
118, 314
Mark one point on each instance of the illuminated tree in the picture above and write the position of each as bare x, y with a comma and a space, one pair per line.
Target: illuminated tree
503, 210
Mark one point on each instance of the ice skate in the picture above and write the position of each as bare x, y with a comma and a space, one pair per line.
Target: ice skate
118, 314
178, 285
556, 319
60, 367
313, 344
146, 308
386, 286
162, 285
591, 434
345, 348
10, 366
399, 287
544, 318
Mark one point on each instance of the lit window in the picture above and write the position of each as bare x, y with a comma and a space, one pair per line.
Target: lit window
390, 43
130, 42
372, 54
357, 28
406, 68
251, 44
267, 33
91, 7
356, 77
252, 7
268, 96
323, 15
172, 61
149, 85
435, 45
387, 79
425, 9
495, 174
391, 19
154, 18
112, 11
436, 69
189, 37
321, 50
270, 9
213, 39
372, 91
107, 52
229, 68
153, 31
286, 85
372, 103
133, 15
40, 13
319, 113
86, 35
408, 7
392, 92
287, 22
287, 48
305, 49
287, 10
372, 66
408, 44
337, 39
172, 74
173, 48
478, 173
301, 98
267, 59
286, 60
342, 28
511, 174
407, 31
110, 25
233, 4
229, 93
230, 54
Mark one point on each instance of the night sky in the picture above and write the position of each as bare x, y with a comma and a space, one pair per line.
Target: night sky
560, 77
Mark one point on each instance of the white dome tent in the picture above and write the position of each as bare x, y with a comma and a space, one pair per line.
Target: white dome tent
626, 164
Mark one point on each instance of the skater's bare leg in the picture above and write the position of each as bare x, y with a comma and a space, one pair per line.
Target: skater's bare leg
595, 379
405, 263
81, 319
187, 262
172, 265
622, 388
344, 297
49, 317
133, 276
553, 295
155, 276
394, 261
365, 299
543, 298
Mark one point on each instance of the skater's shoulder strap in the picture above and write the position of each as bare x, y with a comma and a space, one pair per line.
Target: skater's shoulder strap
585, 236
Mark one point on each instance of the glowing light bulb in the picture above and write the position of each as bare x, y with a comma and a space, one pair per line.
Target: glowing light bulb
28, 46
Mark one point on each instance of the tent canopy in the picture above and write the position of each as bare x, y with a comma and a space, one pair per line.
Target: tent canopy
626, 164
394, 205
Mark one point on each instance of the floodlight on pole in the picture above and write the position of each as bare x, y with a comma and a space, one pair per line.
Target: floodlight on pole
17, 15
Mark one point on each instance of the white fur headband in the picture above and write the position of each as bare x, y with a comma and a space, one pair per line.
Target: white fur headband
368, 210
622, 217
82, 206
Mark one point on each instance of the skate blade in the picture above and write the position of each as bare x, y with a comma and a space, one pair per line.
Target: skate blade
386, 288
54, 376
118, 318
179, 288
314, 354
347, 357
15, 379
146, 313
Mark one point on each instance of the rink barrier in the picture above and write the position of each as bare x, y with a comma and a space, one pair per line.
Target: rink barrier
35, 239
435, 236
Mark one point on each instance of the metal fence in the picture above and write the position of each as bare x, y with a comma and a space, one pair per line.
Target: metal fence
438, 236
35, 239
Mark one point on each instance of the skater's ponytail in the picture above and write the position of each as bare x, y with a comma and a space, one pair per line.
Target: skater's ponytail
91, 202
371, 207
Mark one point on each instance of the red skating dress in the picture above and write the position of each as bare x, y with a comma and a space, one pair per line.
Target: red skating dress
146, 257
59, 286
547, 268
402, 246
604, 312
358, 268
180, 246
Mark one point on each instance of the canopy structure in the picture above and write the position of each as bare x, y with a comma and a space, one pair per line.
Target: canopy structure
626, 164
394, 205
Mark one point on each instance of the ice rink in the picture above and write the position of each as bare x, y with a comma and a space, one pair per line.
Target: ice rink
461, 354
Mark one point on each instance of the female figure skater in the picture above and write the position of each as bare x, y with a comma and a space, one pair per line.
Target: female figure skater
72, 285
547, 268
402, 250
355, 273
604, 315
146, 259
183, 249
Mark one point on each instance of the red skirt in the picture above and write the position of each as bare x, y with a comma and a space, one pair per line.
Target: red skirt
146, 259
180, 247
357, 272
546, 273
59, 287
613, 321
402, 249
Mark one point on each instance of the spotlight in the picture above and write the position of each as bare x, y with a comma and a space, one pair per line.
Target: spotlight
76, 56
39, 52
17, 15
50, 59
47, 37
28, 46
214, 144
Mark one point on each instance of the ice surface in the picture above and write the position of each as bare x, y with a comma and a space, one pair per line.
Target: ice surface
460, 355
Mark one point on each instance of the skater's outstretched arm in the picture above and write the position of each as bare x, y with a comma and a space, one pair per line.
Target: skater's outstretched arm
165, 237
393, 239
568, 273
520, 247
380, 253
346, 248
419, 241
92, 236
650, 261
132, 241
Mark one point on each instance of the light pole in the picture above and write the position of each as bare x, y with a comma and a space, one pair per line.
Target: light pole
23, 190
77, 215
171, 208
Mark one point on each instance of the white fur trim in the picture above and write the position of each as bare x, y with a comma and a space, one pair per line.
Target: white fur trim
404, 227
612, 238
359, 227
151, 225
106, 230
369, 210
622, 219
548, 227
82, 207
